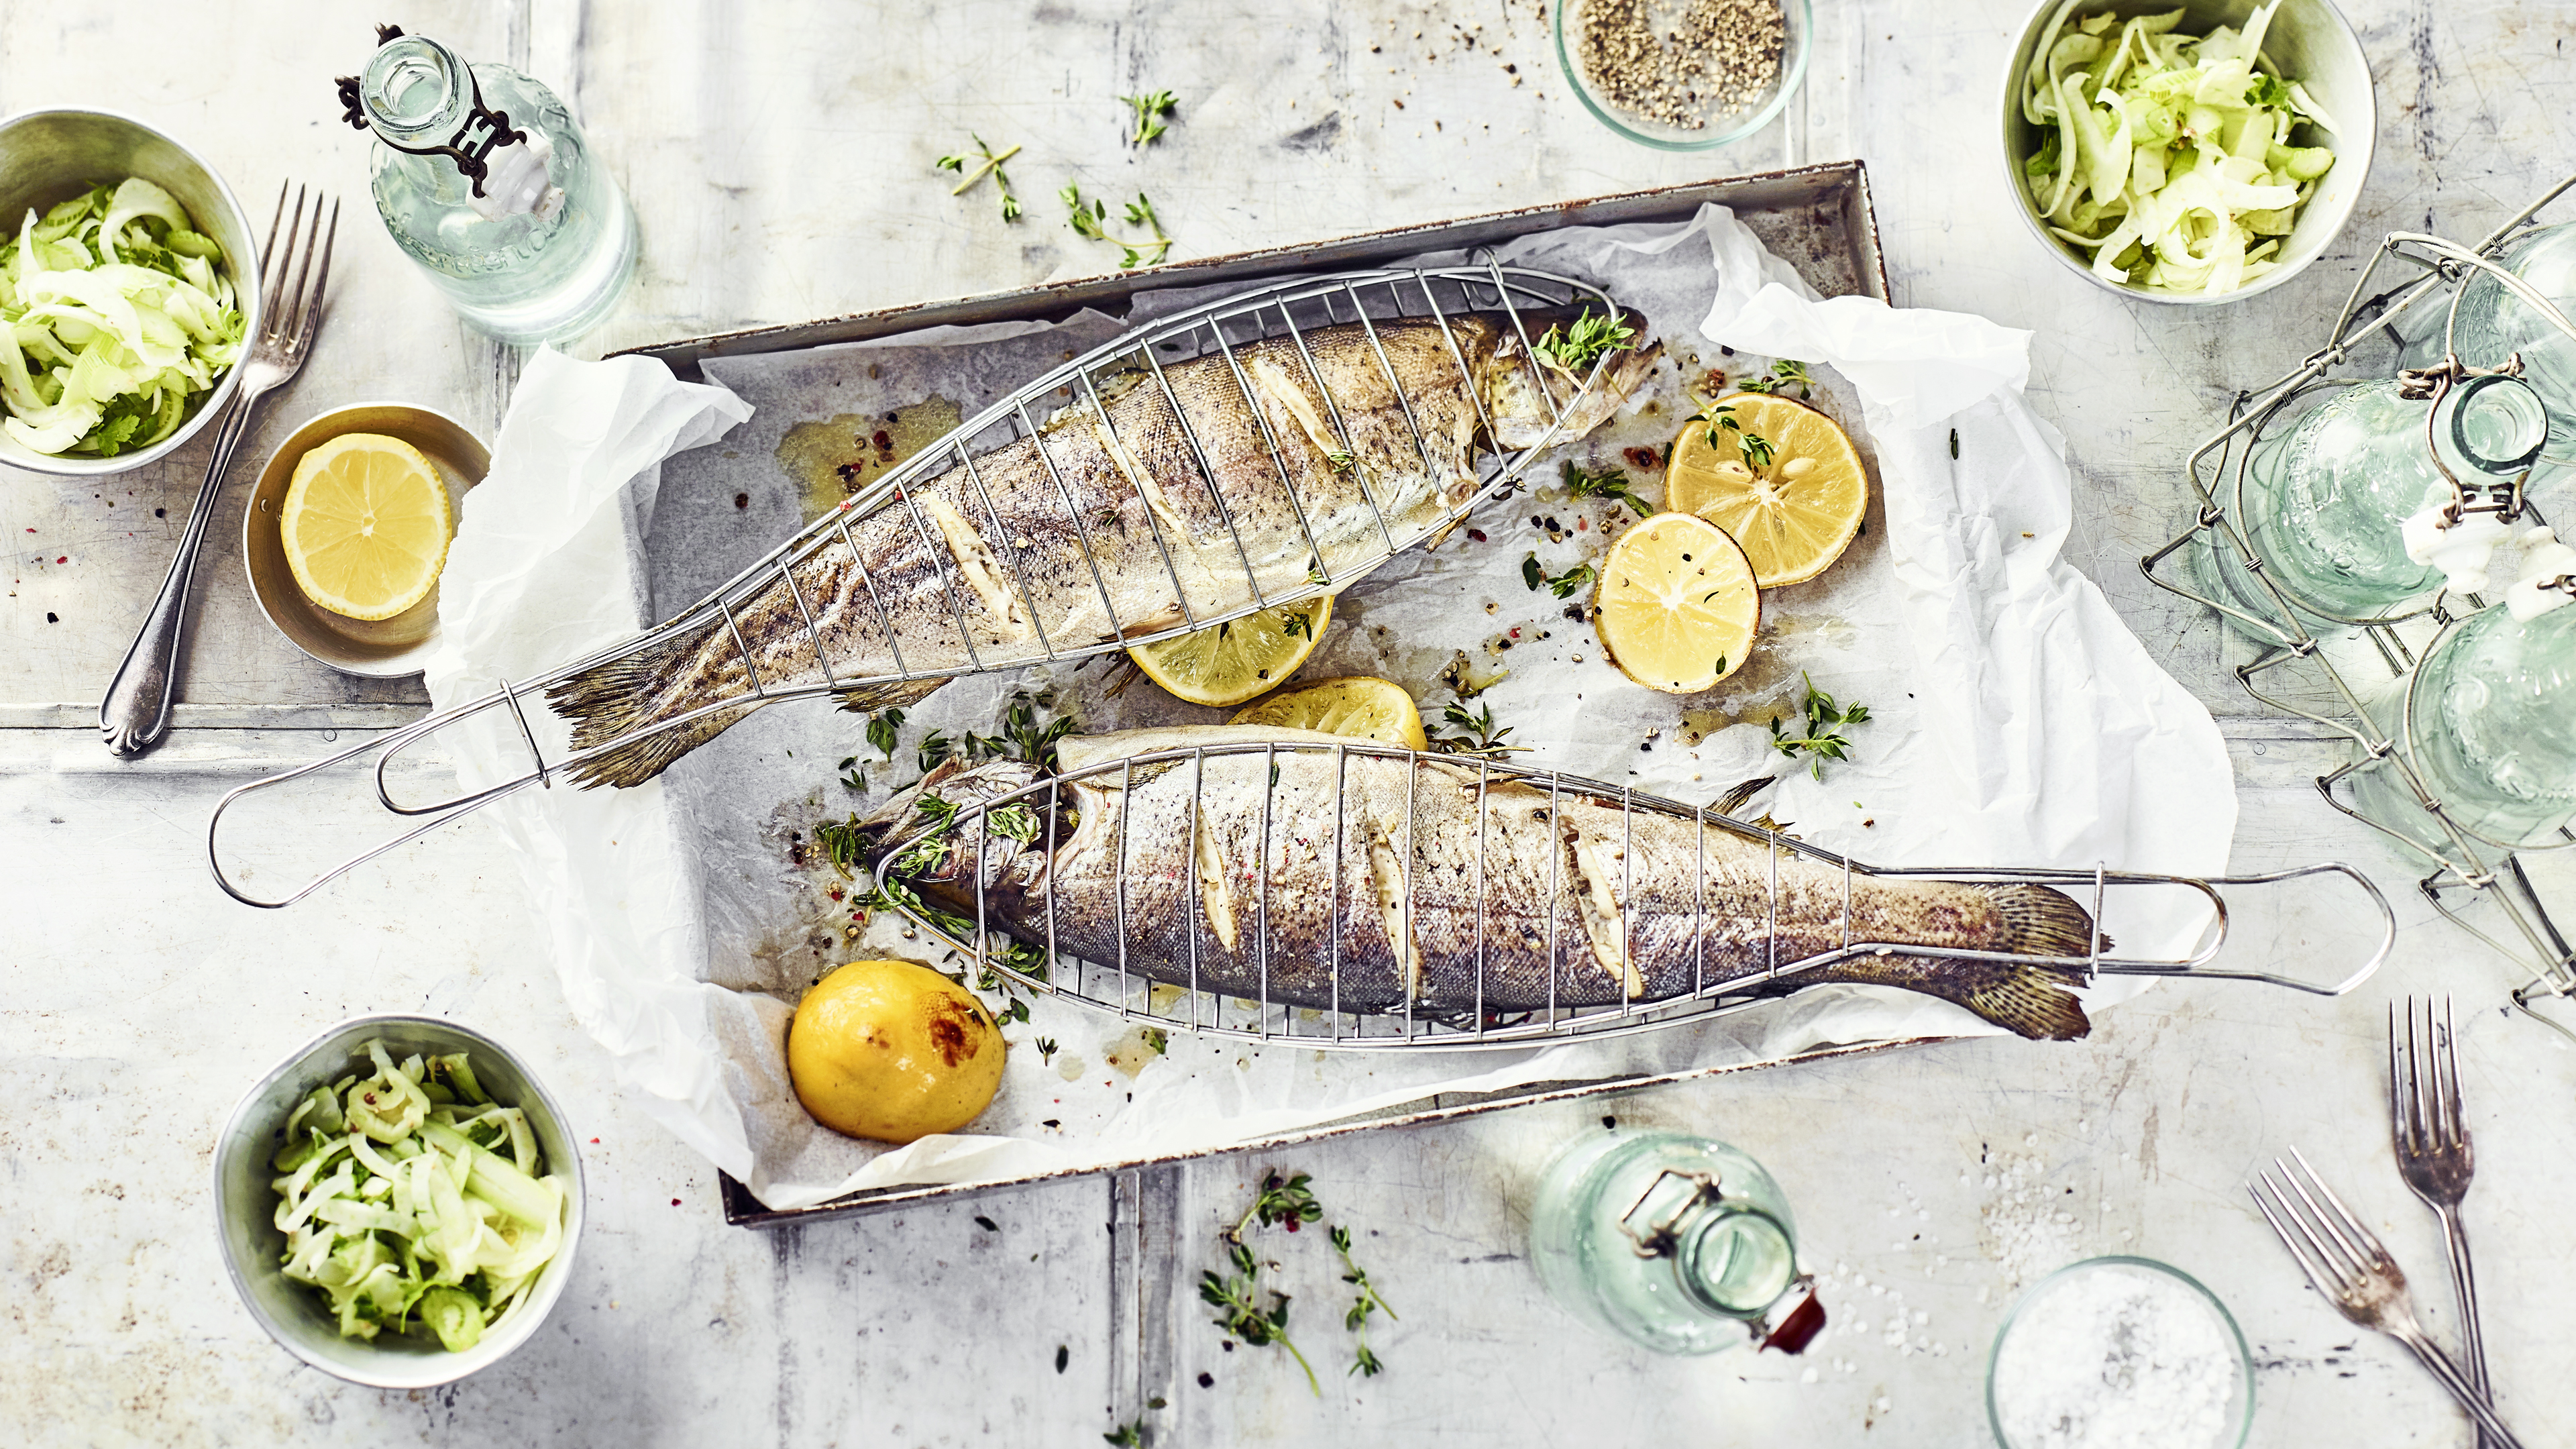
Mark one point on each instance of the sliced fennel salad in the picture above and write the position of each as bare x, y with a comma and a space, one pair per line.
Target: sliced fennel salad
2168, 157
121, 316
414, 1202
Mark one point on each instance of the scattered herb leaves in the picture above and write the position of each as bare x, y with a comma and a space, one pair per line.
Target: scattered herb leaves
1366, 1303
1820, 738
1089, 220
1562, 585
1785, 373
1586, 339
1608, 483
1151, 111
1479, 737
992, 166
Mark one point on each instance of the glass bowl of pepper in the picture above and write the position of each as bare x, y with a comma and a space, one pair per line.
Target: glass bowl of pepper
1725, 70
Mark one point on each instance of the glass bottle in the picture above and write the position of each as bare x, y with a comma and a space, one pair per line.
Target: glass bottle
2326, 503
486, 181
2490, 721
1674, 1242
2494, 324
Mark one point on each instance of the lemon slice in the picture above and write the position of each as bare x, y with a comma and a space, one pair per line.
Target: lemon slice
1795, 513
1357, 706
1230, 663
365, 526
1676, 607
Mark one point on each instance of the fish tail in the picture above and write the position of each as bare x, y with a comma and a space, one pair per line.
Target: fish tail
621, 696
893, 693
2033, 999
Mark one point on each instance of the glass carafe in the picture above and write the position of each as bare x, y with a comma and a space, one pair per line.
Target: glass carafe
2494, 324
1674, 1242
485, 180
2326, 502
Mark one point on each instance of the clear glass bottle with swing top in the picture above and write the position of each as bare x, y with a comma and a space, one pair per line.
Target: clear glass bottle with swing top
2492, 322
486, 181
1677, 1243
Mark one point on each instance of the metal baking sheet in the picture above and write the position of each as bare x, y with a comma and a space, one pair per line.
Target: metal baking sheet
1816, 218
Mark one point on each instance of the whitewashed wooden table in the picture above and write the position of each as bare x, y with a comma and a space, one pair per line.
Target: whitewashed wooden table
779, 158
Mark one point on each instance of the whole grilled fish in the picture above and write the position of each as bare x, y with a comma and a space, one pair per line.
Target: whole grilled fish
1403, 872
1100, 526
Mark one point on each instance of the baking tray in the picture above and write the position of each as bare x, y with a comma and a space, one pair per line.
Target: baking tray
1816, 218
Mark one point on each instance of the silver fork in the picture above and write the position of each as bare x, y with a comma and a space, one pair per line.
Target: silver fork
2433, 1153
136, 713
2347, 1264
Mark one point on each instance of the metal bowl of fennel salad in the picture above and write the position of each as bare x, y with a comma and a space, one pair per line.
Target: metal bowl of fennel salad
2195, 153
129, 283
398, 1201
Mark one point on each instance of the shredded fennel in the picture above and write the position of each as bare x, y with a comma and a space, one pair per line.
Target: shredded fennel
2168, 156
413, 1201
119, 318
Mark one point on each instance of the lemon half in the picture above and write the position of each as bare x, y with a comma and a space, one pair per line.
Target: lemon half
365, 525
1676, 605
1231, 662
1355, 706
1793, 515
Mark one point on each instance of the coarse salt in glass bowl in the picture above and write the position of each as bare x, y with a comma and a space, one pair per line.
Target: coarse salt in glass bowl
2120, 1353
1721, 127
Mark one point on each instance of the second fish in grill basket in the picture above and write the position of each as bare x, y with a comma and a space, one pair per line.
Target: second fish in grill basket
1280, 884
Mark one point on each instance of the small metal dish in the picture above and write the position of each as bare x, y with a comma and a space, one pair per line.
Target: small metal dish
52, 156
1798, 24
2310, 41
246, 1205
379, 649
2240, 1405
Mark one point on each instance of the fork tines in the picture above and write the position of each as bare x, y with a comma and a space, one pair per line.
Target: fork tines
2424, 1083
2341, 1257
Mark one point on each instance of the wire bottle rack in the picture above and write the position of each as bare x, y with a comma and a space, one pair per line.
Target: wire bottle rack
1292, 311
1199, 931
2478, 883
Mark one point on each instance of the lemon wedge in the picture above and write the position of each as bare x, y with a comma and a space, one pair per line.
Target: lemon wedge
1356, 705
1793, 512
1231, 662
365, 525
1676, 606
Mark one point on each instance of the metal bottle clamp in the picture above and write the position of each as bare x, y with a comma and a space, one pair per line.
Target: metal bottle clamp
1792, 1330
484, 132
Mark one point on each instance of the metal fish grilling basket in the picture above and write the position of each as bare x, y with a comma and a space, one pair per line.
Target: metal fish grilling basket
1274, 981
1289, 311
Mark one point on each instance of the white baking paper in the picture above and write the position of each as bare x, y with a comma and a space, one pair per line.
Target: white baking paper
2015, 721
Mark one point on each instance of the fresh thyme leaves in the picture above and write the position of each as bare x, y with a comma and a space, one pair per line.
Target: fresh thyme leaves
882, 728
1089, 220
1130, 1435
1281, 1200
1819, 738
1232, 1296
1046, 1048
1755, 448
992, 165
854, 776
1157, 1038
1297, 621
1034, 741
932, 848
1586, 339
1366, 1303
1786, 373
1151, 110
934, 748
1562, 585
1608, 483
1012, 822
1342, 463
841, 842
1480, 736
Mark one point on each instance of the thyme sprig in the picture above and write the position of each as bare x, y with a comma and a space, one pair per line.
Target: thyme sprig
1150, 109
1479, 736
1089, 220
1610, 483
1785, 373
992, 166
1233, 1297
1585, 339
1562, 585
882, 731
1366, 1303
1819, 739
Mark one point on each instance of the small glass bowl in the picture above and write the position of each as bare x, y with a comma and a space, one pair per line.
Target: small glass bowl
1798, 26
2241, 1402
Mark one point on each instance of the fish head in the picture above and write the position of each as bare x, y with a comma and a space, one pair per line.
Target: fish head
958, 828
1526, 386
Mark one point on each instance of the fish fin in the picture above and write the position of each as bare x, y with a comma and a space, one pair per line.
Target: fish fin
621, 696
637, 761
892, 694
2031, 998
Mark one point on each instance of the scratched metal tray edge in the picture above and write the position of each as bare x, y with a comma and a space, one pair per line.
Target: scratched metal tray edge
1752, 195
743, 1210
1839, 188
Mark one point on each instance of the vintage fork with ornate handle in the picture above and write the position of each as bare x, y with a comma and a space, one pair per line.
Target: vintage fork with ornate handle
136, 712
2347, 1264
2432, 1142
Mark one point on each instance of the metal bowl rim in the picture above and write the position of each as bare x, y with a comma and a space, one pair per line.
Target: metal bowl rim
246, 288
550, 1286
251, 516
